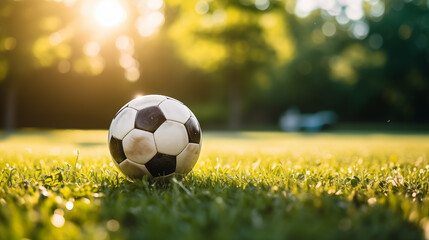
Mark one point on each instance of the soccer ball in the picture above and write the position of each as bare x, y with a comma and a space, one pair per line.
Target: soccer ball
154, 136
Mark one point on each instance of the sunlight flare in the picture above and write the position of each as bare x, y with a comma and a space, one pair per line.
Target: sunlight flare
110, 13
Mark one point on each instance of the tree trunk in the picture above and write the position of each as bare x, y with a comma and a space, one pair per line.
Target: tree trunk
9, 117
235, 103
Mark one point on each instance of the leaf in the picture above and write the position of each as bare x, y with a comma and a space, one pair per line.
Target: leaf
59, 176
354, 182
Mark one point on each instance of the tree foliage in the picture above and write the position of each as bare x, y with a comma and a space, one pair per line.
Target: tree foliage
225, 59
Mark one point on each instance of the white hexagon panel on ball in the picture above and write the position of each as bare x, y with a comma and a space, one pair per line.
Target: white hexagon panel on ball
171, 138
186, 160
123, 123
139, 146
133, 170
175, 110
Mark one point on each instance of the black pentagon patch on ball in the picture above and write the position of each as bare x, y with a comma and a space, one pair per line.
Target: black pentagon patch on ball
116, 149
149, 119
161, 165
193, 129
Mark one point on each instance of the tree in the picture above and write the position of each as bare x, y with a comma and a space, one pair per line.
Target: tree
369, 69
16, 45
236, 41
70, 37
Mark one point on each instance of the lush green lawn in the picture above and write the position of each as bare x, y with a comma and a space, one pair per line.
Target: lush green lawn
63, 185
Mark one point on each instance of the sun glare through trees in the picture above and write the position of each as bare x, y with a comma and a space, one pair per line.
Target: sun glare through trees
108, 21
109, 13
234, 60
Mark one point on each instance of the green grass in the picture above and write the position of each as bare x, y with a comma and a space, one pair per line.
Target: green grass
63, 185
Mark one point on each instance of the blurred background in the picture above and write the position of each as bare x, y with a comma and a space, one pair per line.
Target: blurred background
237, 64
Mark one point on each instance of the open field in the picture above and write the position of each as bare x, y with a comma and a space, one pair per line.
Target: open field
248, 185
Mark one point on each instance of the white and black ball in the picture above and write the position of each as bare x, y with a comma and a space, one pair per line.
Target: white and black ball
154, 136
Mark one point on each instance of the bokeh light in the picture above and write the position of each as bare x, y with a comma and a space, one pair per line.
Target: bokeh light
202, 7
262, 4
329, 29
346, 12
124, 43
57, 218
8, 43
375, 41
148, 24
64, 66
91, 48
109, 13
69, 205
132, 74
154, 4
360, 29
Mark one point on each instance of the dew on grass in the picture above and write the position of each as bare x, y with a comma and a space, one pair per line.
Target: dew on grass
98, 195
219, 200
43, 192
372, 201
58, 199
57, 219
69, 205
271, 200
